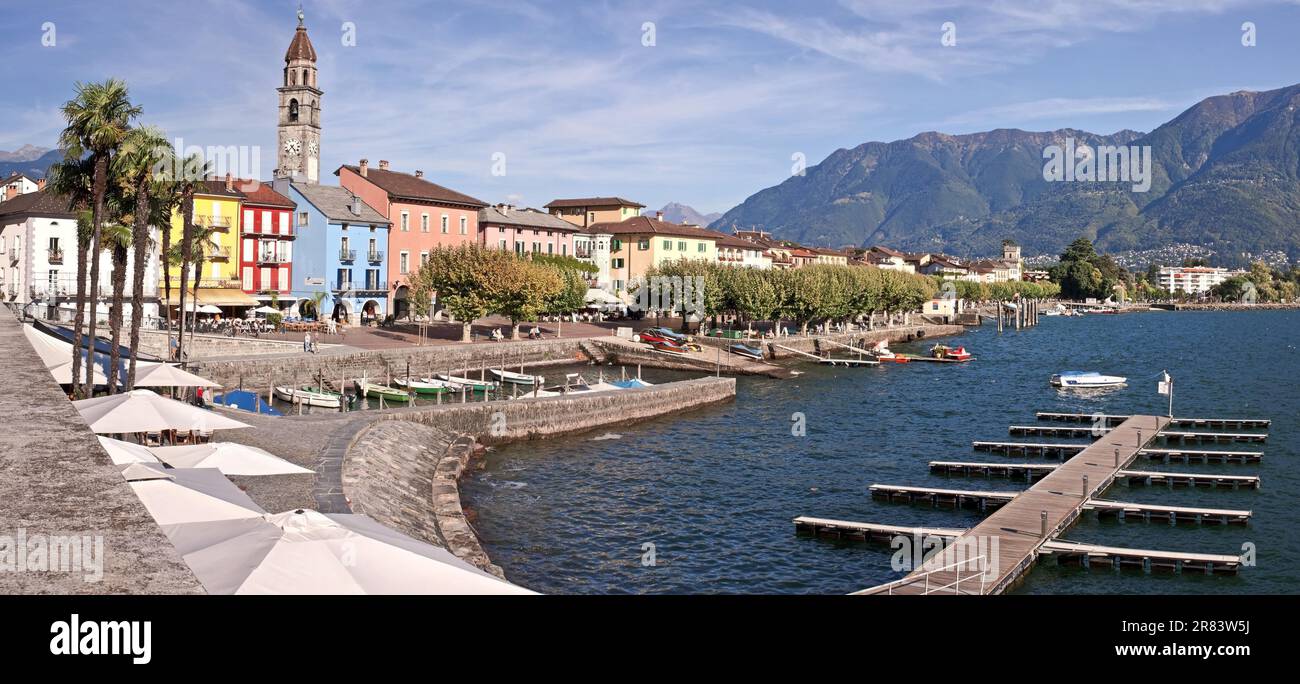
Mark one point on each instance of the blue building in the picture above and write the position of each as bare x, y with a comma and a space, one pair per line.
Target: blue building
341, 250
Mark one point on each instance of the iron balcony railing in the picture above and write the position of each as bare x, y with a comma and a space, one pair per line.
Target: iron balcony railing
372, 286
56, 256
375, 256
272, 258
347, 255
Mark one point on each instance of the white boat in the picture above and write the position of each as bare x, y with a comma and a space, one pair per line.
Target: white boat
426, 385
1081, 379
516, 378
309, 397
460, 382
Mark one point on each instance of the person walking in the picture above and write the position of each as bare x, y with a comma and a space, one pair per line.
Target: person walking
306, 342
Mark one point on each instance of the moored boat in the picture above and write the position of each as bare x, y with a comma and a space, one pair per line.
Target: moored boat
310, 396
746, 351
371, 390
880, 352
1081, 379
460, 383
669, 347
424, 385
516, 378
943, 351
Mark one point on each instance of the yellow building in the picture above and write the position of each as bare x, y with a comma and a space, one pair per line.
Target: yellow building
641, 242
216, 205
585, 212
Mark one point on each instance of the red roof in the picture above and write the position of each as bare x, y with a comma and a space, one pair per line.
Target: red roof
261, 194
592, 202
405, 186
643, 225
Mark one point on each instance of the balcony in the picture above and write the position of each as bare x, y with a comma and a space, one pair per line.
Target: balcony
375, 256
248, 231
370, 287
219, 224
272, 258
347, 255
218, 254
56, 256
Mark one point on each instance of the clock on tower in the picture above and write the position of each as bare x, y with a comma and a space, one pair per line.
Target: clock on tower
298, 156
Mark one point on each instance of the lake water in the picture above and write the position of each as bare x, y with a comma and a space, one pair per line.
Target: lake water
715, 490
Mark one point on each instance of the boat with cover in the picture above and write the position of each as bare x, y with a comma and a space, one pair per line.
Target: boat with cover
1080, 379
746, 351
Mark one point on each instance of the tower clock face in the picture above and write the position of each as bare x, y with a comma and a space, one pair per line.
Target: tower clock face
313, 149
293, 146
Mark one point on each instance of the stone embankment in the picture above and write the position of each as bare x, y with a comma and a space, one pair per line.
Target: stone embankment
1230, 306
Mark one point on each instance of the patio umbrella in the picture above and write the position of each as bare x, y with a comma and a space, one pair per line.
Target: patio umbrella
56, 356
126, 453
266, 310
209, 309
231, 458
180, 497
144, 411
169, 375
305, 552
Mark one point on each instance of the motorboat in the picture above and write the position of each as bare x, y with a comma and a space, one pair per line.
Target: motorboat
947, 353
746, 351
1081, 379
880, 352
668, 346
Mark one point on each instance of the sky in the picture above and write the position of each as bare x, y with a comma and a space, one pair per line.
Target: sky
703, 103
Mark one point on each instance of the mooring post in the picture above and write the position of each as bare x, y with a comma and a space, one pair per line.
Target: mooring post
1085, 486
1116, 458
1043, 517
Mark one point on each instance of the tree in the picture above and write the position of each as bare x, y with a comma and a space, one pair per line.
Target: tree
520, 289
458, 276
98, 118
193, 171
152, 196
117, 238
72, 178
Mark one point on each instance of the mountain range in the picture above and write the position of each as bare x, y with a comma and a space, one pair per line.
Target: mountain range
34, 167
1225, 175
675, 212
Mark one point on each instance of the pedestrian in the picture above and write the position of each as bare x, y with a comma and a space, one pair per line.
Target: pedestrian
306, 342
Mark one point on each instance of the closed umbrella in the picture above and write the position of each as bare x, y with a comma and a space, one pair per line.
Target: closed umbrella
305, 552
144, 411
182, 496
230, 458
126, 453
169, 375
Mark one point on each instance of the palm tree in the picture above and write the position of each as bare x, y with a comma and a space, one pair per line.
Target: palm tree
98, 119
143, 152
201, 245
71, 178
117, 238
193, 171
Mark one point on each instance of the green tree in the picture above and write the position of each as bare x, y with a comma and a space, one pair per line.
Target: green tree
459, 277
73, 179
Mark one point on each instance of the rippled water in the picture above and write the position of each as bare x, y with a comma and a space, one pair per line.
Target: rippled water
715, 490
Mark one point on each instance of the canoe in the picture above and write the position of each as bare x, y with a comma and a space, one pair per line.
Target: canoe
459, 383
424, 385
370, 390
516, 378
308, 396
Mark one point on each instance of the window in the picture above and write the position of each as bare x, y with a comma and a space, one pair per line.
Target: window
617, 263
344, 280
464, 225
564, 249
424, 258
424, 223
681, 245
643, 244
550, 248
616, 246
343, 243
372, 279
403, 263
444, 224
699, 247
503, 245
591, 217
668, 245
519, 248
537, 248
406, 222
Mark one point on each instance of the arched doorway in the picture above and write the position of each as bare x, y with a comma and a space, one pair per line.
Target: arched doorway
369, 311
341, 311
401, 307
306, 308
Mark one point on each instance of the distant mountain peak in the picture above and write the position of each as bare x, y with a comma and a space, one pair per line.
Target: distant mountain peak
25, 153
676, 212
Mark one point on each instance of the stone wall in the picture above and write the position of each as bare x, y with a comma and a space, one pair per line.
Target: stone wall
56, 479
206, 346
813, 343
260, 373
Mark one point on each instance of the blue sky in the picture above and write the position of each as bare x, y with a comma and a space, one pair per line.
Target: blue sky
708, 115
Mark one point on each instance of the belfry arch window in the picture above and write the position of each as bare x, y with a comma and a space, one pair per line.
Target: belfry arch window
293, 77
293, 110
304, 77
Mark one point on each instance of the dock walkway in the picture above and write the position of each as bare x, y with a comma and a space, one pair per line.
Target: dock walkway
1035, 516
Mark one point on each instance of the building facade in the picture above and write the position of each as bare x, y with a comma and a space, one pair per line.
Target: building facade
266, 242
217, 205
19, 184
525, 231
1193, 280
340, 254
423, 216
585, 212
641, 242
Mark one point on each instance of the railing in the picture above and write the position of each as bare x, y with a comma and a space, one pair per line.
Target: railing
582, 254
347, 255
220, 224
923, 579
375, 256
218, 253
251, 231
272, 258
374, 286
56, 256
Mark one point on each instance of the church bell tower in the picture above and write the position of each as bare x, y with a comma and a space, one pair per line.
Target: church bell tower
298, 153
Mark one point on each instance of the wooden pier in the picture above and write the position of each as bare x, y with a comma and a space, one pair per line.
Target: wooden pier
1190, 455
1098, 431
1113, 420
1037, 515
990, 500
858, 531
1062, 450
1089, 555
957, 498
1030, 471
1174, 514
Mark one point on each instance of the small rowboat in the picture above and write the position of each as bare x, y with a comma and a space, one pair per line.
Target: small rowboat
669, 347
310, 396
460, 383
424, 385
746, 351
517, 378
1079, 379
372, 391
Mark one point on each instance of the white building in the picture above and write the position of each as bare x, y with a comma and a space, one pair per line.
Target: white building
593, 248
734, 251
38, 260
1193, 279
18, 184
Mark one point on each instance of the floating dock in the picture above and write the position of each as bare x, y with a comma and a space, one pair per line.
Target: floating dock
1174, 514
1089, 555
1062, 450
957, 498
1113, 420
858, 531
1029, 471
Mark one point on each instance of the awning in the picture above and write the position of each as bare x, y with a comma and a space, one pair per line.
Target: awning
216, 296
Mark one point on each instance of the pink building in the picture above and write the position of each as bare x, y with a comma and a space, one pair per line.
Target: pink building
525, 231
424, 216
